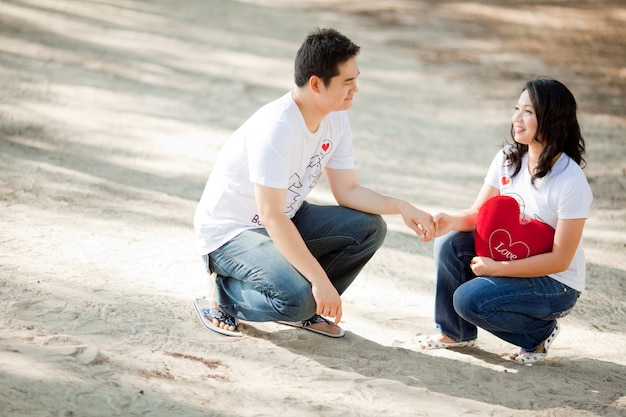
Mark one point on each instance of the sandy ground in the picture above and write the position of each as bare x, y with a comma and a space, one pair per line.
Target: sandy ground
111, 116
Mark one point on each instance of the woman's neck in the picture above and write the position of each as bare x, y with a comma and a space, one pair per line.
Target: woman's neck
533, 159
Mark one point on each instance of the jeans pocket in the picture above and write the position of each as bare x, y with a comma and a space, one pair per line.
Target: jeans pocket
205, 260
567, 301
559, 314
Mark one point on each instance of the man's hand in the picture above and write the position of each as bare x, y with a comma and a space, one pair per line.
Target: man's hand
419, 221
328, 301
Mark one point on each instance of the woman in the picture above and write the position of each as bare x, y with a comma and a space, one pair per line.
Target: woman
519, 300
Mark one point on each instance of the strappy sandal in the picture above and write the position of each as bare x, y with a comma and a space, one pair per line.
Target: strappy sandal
525, 357
427, 342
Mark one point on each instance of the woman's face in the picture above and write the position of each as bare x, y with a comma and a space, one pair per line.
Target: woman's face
524, 120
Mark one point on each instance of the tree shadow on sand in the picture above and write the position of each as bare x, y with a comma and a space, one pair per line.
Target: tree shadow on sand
474, 374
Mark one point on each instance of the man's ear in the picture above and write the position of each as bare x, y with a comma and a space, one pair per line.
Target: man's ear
315, 83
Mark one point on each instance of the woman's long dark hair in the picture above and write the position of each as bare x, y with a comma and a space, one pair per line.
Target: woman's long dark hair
557, 127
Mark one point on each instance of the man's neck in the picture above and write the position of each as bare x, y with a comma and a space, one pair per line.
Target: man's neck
310, 112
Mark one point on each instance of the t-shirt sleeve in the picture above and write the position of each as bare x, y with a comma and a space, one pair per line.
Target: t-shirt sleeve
343, 157
493, 174
575, 198
269, 149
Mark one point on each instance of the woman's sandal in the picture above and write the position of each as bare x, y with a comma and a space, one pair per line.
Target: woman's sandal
525, 357
432, 342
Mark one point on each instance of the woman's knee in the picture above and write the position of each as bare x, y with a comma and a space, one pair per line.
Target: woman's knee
467, 300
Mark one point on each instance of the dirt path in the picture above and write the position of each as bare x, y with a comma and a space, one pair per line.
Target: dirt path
111, 116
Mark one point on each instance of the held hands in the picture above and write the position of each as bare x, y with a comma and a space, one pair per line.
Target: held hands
328, 301
419, 221
444, 223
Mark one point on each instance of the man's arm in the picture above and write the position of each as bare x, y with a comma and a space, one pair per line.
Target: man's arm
346, 189
285, 235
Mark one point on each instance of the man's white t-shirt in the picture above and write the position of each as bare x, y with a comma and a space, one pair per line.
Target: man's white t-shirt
273, 148
562, 194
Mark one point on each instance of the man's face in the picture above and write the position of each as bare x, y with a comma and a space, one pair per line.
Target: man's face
342, 88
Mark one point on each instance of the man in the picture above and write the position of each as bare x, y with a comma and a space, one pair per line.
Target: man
274, 256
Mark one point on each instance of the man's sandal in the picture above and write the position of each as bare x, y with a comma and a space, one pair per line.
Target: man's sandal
306, 325
207, 314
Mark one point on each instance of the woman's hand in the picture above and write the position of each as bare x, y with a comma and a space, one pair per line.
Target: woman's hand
444, 223
483, 266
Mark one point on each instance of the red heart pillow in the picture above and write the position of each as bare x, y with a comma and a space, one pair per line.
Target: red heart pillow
500, 235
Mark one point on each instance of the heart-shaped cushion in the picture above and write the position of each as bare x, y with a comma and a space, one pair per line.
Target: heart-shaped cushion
500, 235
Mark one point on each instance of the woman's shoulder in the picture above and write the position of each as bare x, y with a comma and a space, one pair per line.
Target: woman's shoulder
567, 168
568, 176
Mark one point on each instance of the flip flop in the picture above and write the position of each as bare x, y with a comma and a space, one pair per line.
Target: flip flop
207, 314
305, 324
429, 343
525, 357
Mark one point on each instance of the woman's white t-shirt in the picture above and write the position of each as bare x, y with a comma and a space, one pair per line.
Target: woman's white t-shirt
562, 194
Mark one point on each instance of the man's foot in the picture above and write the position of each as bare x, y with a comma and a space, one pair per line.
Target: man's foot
212, 316
318, 324
220, 319
216, 320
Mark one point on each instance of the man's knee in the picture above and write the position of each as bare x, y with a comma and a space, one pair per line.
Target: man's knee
379, 229
296, 303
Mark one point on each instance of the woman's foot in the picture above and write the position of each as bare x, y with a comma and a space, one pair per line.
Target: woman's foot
539, 354
441, 341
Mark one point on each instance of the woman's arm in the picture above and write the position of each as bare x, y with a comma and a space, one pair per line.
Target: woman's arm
566, 238
465, 220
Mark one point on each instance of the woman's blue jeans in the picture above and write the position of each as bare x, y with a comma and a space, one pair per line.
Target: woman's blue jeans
522, 311
256, 283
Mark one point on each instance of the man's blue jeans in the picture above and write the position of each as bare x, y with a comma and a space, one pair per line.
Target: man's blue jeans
256, 283
522, 311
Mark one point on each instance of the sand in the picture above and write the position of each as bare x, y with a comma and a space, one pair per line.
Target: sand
111, 117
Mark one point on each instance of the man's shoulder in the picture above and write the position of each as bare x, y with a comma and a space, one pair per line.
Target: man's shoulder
281, 103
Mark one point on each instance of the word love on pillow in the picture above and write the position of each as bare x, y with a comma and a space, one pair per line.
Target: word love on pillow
501, 236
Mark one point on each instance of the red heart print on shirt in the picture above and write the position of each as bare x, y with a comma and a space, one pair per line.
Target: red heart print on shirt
325, 146
500, 235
